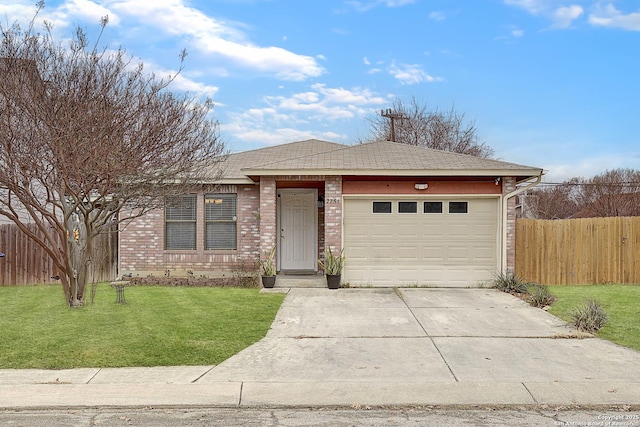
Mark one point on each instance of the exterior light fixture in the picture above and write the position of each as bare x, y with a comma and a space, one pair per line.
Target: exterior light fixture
421, 186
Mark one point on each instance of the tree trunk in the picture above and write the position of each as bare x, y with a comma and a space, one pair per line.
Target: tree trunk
79, 247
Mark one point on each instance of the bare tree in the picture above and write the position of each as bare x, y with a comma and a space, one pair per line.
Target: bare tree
415, 124
87, 139
554, 201
612, 193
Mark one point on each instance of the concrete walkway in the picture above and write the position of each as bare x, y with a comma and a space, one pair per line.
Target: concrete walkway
371, 347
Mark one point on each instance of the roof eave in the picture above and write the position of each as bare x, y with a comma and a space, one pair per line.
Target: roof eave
231, 181
394, 172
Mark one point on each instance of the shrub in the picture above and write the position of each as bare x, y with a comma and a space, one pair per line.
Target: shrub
539, 295
509, 282
590, 317
332, 264
268, 264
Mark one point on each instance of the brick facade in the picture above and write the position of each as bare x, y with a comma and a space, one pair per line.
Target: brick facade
333, 213
141, 242
509, 185
268, 229
141, 245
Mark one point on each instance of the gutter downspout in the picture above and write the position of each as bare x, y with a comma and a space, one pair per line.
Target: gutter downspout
505, 201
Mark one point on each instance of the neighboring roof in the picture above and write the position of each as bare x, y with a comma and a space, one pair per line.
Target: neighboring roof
380, 158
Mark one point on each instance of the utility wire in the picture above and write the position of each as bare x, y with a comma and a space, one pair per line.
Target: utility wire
595, 184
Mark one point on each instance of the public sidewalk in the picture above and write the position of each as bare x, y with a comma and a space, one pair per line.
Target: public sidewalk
373, 347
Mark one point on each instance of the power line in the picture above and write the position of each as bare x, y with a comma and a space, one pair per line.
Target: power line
593, 184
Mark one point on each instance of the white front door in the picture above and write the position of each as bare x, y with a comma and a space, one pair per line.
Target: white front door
298, 229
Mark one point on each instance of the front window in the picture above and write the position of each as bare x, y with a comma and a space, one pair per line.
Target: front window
180, 222
221, 221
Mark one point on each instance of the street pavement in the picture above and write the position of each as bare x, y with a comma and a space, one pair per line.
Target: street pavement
370, 347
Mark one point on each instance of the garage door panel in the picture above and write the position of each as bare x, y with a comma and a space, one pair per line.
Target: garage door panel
420, 249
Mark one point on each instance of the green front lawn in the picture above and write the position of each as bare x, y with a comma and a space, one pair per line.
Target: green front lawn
159, 326
620, 302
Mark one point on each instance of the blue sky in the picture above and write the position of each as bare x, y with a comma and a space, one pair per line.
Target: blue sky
553, 84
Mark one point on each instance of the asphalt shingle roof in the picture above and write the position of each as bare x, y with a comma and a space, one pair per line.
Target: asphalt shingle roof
374, 158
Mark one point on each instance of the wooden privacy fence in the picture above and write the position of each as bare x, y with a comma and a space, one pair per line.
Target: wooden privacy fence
26, 263
579, 251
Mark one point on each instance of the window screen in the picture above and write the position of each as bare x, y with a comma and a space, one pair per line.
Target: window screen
432, 207
381, 207
220, 216
458, 207
407, 207
180, 222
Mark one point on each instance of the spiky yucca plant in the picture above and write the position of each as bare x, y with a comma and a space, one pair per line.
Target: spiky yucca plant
509, 282
590, 317
332, 264
539, 295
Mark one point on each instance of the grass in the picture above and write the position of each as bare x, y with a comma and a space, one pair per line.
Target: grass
620, 302
159, 326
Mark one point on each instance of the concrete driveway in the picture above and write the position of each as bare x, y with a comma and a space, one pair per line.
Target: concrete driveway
450, 346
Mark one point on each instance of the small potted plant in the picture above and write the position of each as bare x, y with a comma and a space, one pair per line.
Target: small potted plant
332, 266
268, 265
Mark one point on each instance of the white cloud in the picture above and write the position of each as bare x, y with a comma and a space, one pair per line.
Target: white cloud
175, 19
278, 135
437, 16
517, 33
609, 16
87, 10
364, 6
218, 38
564, 16
22, 11
561, 17
605, 13
589, 166
532, 6
410, 74
355, 96
181, 82
320, 106
323, 103
398, 3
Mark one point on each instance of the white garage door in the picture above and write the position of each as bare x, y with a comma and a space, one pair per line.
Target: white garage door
423, 242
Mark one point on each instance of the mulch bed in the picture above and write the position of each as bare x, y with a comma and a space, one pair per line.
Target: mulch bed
211, 282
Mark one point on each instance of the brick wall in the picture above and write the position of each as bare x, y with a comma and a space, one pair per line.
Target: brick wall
509, 185
333, 213
141, 245
267, 214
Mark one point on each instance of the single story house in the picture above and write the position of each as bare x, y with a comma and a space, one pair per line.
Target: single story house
404, 215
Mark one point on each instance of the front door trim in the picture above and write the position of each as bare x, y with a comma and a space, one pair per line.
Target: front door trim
311, 241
